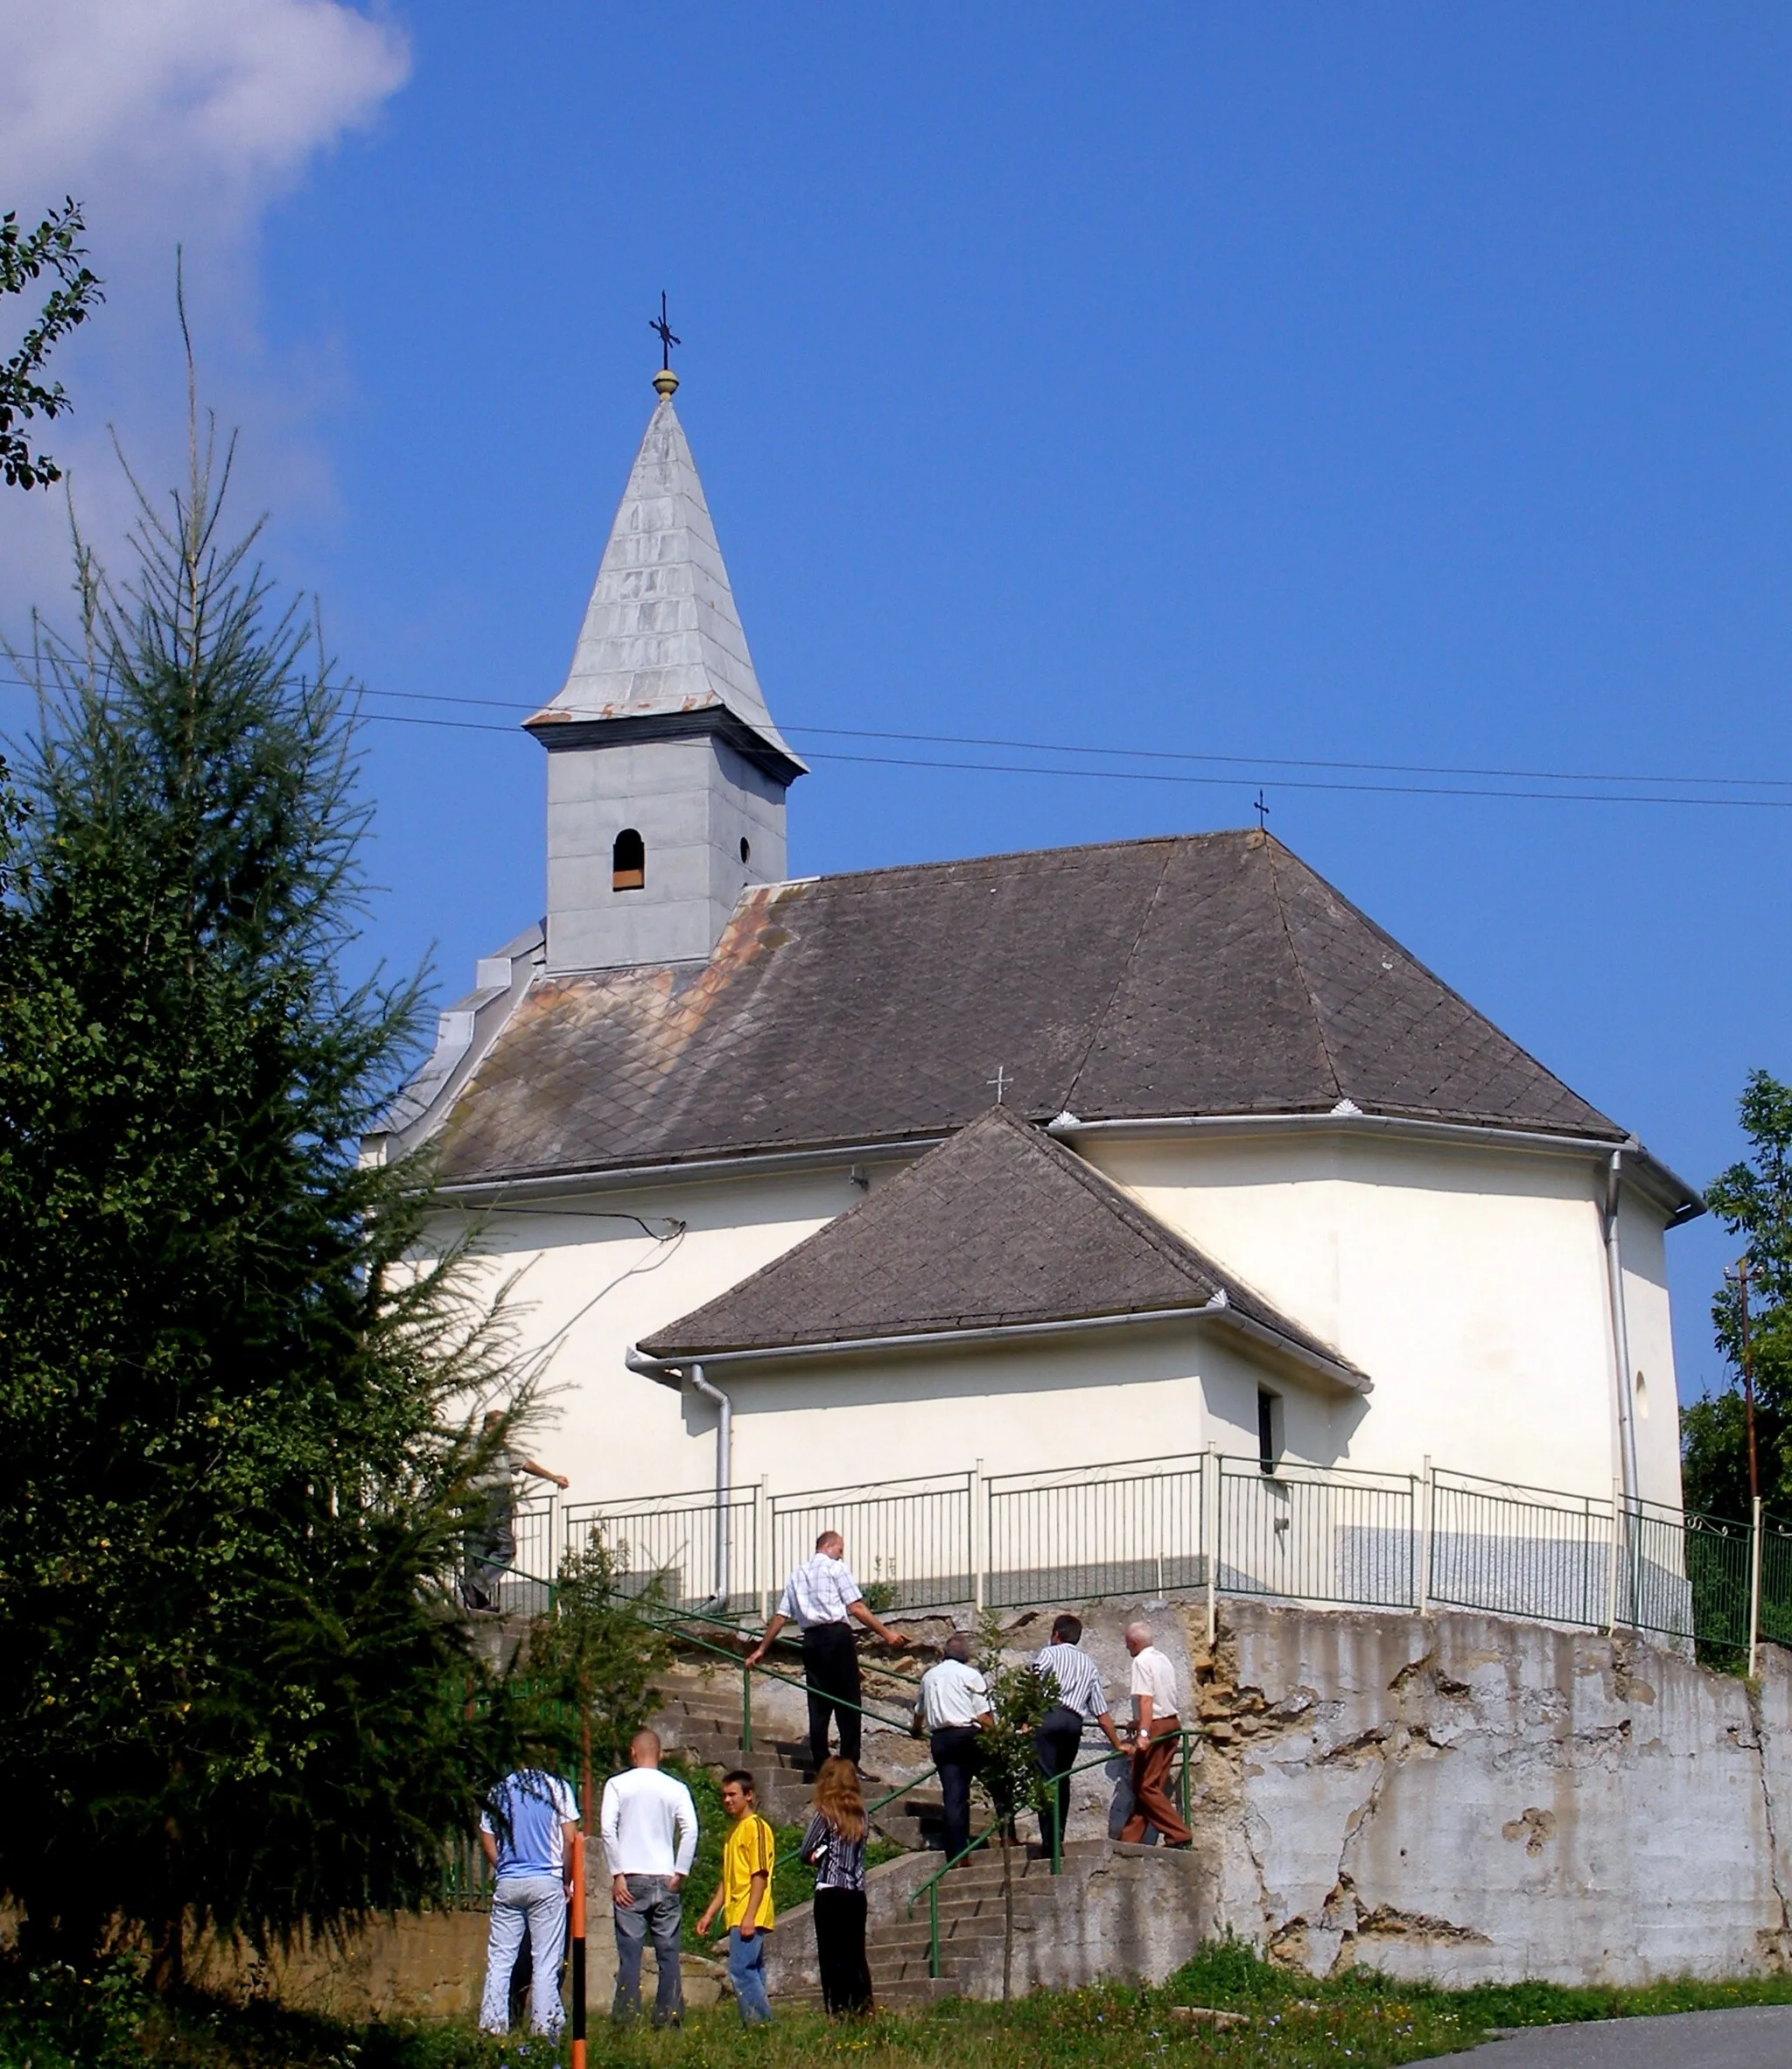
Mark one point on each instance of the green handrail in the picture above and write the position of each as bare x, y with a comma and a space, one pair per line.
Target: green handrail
871, 1811
673, 1620
931, 1886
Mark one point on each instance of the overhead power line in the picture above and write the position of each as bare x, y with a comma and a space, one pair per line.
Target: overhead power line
1473, 781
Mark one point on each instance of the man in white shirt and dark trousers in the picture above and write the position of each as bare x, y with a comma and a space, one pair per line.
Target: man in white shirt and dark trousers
649, 1826
1155, 1738
526, 1830
822, 1597
1059, 1737
954, 1707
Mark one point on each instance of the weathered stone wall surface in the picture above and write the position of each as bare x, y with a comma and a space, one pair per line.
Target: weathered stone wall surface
1462, 1798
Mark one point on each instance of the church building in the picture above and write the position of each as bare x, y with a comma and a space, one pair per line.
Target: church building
1009, 1167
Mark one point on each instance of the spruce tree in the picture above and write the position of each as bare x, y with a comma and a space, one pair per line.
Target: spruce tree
237, 1396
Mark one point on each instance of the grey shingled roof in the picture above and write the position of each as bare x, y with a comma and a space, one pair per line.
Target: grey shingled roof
1213, 974
999, 1227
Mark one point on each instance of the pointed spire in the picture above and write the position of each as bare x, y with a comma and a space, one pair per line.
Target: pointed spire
662, 634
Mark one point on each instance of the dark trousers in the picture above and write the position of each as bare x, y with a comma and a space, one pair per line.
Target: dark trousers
1151, 1792
955, 1754
831, 1668
846, 1977
1057, 1742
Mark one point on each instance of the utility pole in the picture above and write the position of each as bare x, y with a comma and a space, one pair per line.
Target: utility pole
1747, 1379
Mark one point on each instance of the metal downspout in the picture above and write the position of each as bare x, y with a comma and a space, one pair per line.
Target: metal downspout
724, 1475
1627, 1404
1620, 1330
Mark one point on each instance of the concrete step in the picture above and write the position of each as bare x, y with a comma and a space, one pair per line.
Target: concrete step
893, 1994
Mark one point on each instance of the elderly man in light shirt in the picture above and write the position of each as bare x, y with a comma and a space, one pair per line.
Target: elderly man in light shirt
1156, 1701
649, 1827
824, 1597
953, 1708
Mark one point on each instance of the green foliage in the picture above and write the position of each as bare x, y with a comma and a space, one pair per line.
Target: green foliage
1007, 1769
1753, 1200
54, 247
592, 1654
235, 1449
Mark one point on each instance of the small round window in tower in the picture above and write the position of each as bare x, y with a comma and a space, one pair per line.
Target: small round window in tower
745, 849
628, 861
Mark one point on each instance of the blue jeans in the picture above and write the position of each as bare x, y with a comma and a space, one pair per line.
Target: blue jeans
542, 1900
746, 1971
657, 1910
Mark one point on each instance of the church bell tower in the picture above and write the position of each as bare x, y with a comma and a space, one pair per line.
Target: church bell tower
665, 775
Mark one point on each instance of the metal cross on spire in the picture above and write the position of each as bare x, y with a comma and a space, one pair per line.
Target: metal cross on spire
1262, 810
999, 1083
662, 329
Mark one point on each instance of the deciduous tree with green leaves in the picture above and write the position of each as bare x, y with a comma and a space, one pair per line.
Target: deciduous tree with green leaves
1753, 1200
592, 1656
1007, 1758
238, 1396
52, 249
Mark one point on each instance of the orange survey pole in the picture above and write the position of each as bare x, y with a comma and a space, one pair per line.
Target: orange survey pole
577, 1951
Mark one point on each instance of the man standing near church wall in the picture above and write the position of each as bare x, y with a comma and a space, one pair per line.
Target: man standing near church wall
952, 1708
822, 1597
1155, 1733
1059, 1738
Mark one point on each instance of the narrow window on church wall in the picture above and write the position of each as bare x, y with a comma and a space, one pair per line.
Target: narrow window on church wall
628, 861
1269, 1428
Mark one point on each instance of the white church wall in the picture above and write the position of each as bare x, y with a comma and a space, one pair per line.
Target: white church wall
1649, 1322
587, 1288
588, 1284
1024, 1407
1470, 1285
1030, 1406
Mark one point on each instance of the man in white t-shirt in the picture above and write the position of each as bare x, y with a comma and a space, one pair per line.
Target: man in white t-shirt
649, 1827
526, 1830
1156, 1726
953, 1708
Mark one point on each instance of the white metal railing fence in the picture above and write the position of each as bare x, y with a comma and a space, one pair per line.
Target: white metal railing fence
1331, 1535
1138, 1527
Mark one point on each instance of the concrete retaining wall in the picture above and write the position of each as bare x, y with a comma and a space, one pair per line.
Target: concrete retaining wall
1453, 1798
1459, 1797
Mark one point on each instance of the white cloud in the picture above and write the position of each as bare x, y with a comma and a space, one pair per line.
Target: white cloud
217, 103
173, 121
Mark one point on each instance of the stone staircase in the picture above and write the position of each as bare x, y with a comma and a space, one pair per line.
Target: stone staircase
1115, 1910
700, 1716
970, 1926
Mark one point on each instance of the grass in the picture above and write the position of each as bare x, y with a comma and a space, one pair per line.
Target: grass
60, 2022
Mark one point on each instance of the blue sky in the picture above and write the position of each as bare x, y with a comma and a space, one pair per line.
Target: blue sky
1390, 384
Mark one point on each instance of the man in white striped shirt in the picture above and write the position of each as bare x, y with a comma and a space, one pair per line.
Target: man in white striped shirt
1059, 1737
820, 1595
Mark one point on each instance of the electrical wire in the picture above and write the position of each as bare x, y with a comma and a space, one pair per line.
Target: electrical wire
1688, 786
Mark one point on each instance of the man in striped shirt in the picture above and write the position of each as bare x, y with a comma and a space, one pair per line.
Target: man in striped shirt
1059, 1737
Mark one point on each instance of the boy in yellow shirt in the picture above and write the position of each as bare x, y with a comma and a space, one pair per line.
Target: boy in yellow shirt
744, 1897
